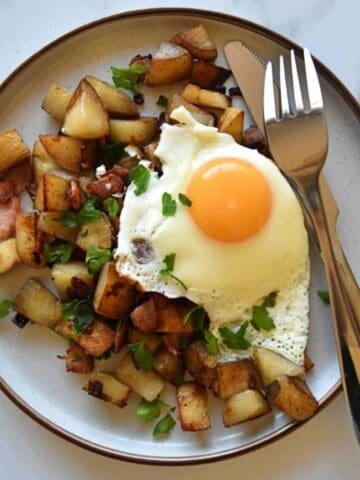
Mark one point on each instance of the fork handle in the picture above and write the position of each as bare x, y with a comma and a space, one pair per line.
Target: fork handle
347, 331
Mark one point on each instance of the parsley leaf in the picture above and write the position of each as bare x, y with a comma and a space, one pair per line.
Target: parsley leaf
80, 312
112, 207
261, 320
211, 342
270, 300
142, 356
109, 154
162, 101
5, 307
87, 214
185, 200
60, 253
96, 258
164, 426
128, 77
168, 205
235, 341
169, 261
198, 309
140, 175
147, 411
324, 295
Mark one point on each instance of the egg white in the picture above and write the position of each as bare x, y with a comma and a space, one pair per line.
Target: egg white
226, 278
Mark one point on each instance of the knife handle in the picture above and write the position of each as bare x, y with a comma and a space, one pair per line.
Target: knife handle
347, 277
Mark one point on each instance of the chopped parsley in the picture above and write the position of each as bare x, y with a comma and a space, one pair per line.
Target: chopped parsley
96, 258
148, 411
87, 214
128, 77
261, 319
112, 207
140, 175
164, 426
324, 295
198, 310
169, 261
59, 253
109, 154
185, 200
211, 343
235, 340
162, 101
142, 356
168, 205
80, 312
270, 300
5, 307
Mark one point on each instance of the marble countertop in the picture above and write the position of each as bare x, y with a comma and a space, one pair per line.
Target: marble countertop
323, 448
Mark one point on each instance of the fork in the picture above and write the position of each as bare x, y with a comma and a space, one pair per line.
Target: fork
297, 135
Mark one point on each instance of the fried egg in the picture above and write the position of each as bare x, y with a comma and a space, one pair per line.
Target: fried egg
242, 237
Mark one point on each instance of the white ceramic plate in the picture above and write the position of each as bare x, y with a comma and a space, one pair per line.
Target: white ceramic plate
31, 374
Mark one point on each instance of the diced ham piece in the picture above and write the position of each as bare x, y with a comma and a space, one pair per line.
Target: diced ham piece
7, 190
106, 186
8, 213
75, 195
20, 175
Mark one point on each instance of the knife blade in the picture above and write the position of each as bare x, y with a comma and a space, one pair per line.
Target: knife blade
250, 79
251, 83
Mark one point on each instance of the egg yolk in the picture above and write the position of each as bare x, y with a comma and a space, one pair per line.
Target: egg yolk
231, 199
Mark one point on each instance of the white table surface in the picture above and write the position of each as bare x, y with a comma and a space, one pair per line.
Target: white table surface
323, 449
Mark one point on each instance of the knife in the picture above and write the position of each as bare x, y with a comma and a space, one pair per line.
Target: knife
251, 83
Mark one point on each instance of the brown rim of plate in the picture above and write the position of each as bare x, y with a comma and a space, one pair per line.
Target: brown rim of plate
335, 390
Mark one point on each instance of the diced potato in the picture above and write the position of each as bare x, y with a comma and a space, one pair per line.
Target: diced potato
86, 117
170, 318
292, 396
272, 365
97, 338
197, 41
139, 132
114, 294
205, 98
35, 302
52, 194
62, 274
200, 115
151, 341
170, 64
106, 387
147, 384
70, 153
49, 222
42, 162
95, 234
120, 335
244, 406
193, 409
78, 361
30, 240
169, 366
232, 122
144, 61
56, 102
13, 150
236, 377
208, 75
201, 364
144, 316
9, 256
116, 102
